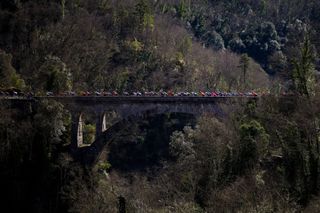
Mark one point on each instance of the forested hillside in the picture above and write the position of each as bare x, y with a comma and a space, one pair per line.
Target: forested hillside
262, 155
126, 45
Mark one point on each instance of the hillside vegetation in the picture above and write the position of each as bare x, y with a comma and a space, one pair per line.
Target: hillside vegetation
135, 45
262, 156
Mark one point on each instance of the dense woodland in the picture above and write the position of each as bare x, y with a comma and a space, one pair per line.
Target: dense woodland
264, 156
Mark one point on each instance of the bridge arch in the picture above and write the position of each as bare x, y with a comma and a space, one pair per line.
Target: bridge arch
131, 111
99, 120
101, 123
93, 153
104, 122
76, 130
85, 128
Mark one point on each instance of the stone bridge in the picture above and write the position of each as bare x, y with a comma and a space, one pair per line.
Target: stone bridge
130, 108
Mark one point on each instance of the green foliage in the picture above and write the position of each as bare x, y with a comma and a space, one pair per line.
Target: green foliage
13, 146
90, 37
30, 146
182, 9
89, 132
50, 121
198, 25
99, 82
215, 40
105, 166
204, 152
244, 65
55, 76
221, 84
264, 161
135, 45
260, 41
144, 15
230, 164
300, 155
303, 73
8, 76
278, 62
250, 109
185, 45
45, 131
181, 144
263, 8
253, 142
63, 7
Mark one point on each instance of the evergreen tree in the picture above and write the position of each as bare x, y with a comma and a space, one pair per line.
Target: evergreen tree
244, 65
303, 72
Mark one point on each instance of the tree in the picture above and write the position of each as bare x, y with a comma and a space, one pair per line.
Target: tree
8, 75
244, 65
253, 144
182, 9
49, 123
54, 75
303, 72
199, 25
215, 40
144, 15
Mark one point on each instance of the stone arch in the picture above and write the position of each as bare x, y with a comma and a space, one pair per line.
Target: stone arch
79, 133
100, 123
92, 154
104, 122
76, 130
80, 130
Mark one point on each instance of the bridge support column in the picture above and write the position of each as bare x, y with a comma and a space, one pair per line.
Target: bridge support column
101, 124
76, 131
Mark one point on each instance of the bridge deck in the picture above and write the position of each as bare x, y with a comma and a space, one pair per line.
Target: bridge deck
142, 99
